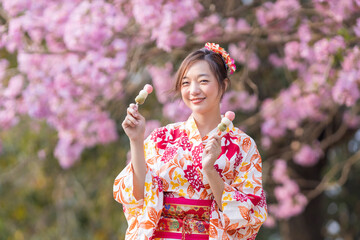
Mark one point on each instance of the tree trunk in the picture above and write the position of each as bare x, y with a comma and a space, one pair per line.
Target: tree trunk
309, 224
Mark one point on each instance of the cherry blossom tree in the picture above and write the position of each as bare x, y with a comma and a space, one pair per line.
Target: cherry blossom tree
76, 64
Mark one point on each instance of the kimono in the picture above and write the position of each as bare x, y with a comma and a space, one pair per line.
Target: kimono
173, 157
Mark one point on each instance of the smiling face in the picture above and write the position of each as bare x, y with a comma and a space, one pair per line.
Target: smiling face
200, 89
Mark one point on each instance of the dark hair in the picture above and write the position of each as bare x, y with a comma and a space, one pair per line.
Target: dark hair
215, 61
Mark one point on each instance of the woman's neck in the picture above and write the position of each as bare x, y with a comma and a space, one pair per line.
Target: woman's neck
207, 122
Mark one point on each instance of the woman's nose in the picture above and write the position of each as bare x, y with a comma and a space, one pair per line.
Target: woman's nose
194, 89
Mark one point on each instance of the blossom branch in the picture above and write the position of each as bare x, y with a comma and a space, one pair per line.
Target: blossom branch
327, 179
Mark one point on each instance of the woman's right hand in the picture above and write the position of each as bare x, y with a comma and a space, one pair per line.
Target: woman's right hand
134, 124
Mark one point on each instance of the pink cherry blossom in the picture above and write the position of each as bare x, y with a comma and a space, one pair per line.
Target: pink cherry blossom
351, 120
280, 14
275, 60
266, 142
208, 28
324, 47
105, 129
304, 33
292, 55
15, 7
234, 101
233, 25
151, 125
14, 87
164, 19
286, 190
167, 40
244, 55
176, 111
290, 201
279, 172
41, 154
351, 60
86, 29
270, 222
8, 118
162, 79
308, 155
67, 152
357, 28
289, 207
337, 10
346, 90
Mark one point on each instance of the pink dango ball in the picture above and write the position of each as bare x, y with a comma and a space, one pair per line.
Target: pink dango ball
230, 115
148, 88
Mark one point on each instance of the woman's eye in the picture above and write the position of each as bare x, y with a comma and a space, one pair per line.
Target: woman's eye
204, 81
185, 83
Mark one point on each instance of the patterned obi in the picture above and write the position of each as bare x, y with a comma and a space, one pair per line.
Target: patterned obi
184, 219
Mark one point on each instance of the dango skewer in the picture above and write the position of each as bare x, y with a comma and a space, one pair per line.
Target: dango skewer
141, 97
226, 121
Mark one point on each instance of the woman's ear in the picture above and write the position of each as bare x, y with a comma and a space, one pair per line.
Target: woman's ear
226, 81
223, 90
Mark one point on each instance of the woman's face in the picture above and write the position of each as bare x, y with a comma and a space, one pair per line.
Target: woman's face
200, 89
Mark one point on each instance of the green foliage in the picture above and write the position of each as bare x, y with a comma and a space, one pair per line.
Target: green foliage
40, 200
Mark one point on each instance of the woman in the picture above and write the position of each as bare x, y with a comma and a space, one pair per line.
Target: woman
188, 180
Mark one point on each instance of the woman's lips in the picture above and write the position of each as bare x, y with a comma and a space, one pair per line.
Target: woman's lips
197, 100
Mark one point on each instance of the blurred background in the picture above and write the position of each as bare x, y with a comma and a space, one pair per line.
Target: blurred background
68, 70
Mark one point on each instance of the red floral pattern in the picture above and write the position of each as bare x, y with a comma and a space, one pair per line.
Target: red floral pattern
252, 237
240, 197
184, 142
158, 183
197, 156
262, 202
169, 154
193, 177
230, 147
218, 169
238, 160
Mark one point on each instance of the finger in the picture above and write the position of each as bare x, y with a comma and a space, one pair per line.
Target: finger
208, 144
134, 106
217, 137
132, 112
127, 124
213, 141
132, 120
208, 148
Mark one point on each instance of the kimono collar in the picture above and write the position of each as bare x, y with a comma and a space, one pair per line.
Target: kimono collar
194, 134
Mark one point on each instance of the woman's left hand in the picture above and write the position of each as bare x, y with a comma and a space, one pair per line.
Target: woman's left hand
211, 152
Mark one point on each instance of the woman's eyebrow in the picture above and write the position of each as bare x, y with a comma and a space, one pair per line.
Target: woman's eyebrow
203, 75
199, 76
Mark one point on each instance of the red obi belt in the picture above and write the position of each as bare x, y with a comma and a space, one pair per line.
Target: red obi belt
185, 219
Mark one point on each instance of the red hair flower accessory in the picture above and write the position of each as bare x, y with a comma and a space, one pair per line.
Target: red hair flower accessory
229, 62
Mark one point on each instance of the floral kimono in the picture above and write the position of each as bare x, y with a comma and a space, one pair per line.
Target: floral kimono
173, 156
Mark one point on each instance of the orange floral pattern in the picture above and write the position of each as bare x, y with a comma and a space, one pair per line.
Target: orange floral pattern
172, 156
